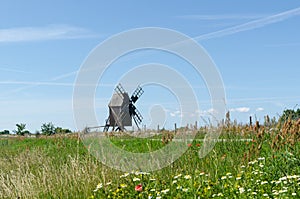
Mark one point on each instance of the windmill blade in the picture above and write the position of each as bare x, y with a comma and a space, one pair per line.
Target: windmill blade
136, 123
120, 90
136, 94
138, 116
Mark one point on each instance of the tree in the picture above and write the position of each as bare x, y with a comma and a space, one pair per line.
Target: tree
290, 114
60, 130
4, 132
21, 129
48, 129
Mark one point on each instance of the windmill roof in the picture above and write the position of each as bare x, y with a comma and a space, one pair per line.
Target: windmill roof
117, 100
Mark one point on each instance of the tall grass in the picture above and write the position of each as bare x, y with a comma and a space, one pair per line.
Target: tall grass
61, 167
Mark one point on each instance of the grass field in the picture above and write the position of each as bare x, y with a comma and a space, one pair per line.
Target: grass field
60, 166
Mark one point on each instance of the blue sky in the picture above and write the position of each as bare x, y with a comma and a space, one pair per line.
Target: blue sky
254, 44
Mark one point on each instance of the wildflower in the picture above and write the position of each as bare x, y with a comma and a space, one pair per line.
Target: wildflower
202, 173
264, 182
275, 192
174, 182
261, 165
228, 174
261, 159
109, 183
243, 166
283, 178
135, 179
265, 194
124, 175
198, 145
220, 194
293, 177
185, 189
158, 197
179, 187
152, 190
223, 177
254, 193
255, 172
238, 178
123, 185
282, 191
138, 187
152, 179
165, 191
178, 176
253, 162
187, 177
294, 194
189, 145
141, 173
241, 190
99, 186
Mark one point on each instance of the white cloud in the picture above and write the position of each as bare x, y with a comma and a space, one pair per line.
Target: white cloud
240, 109
172, 114
260, 109
50, 32
176, 113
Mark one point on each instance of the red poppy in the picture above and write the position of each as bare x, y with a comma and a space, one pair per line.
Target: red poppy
198, 145
189, 145
139, 187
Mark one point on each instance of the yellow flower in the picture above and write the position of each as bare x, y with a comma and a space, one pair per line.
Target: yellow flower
124, 175
123, 185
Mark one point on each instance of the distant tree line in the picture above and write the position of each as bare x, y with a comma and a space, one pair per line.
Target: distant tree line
46, 129
290, 114
4, 132
50, 129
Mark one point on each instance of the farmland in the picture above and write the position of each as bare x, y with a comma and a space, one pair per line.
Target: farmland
60, 166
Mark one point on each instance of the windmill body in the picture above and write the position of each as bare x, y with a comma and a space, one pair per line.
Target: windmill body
122, 109
119, 111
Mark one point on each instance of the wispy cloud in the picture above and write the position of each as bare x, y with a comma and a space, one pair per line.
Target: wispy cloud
63, 76
13, 70
222, 17
49, 83
35, 83
50, 32
296, 44
252, 24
